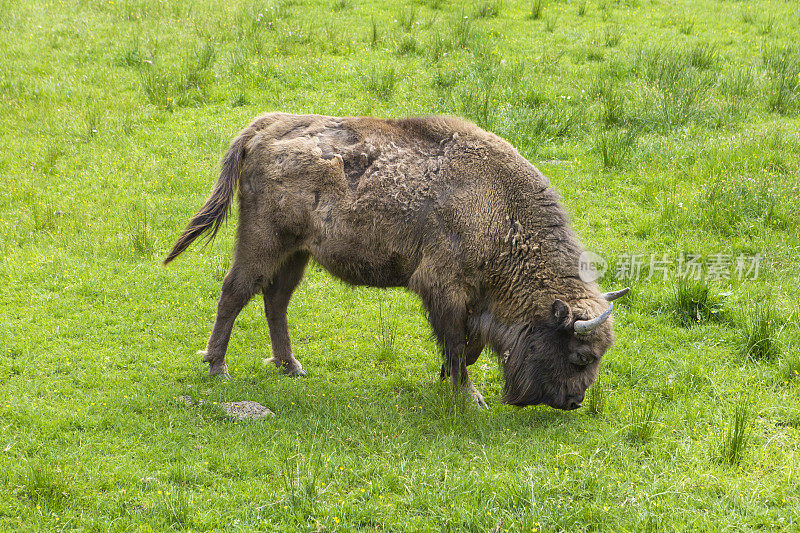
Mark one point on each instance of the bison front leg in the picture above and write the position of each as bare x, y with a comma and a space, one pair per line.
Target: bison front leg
463, 383
276, 301
459, 352
447, 312
237, 289
472, 351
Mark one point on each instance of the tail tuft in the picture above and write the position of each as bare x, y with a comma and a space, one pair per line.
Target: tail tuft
216, 209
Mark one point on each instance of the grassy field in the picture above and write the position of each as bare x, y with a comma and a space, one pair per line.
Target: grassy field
669, 127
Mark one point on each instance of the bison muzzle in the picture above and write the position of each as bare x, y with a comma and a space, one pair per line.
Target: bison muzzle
434, 204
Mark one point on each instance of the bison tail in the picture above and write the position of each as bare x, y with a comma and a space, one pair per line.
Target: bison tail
216, 209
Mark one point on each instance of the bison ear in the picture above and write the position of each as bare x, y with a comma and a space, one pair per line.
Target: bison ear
563, 314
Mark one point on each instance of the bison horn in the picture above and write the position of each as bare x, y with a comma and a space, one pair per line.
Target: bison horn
584, 327
611, 296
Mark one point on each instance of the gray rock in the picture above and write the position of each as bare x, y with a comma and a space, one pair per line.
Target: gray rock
246, 409
242, 410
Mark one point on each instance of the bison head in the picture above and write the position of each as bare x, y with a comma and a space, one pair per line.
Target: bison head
554, 361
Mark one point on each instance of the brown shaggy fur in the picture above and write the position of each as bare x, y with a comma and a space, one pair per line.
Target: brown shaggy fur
433, 204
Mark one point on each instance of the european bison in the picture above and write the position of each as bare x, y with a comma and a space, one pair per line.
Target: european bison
433, 204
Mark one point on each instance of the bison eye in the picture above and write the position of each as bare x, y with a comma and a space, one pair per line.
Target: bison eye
581, 359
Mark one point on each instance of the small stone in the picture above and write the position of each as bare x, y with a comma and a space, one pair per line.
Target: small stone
247, 409
241, 410
185, 400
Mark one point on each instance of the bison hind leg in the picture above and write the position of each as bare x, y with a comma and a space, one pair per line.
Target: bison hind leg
277, 293
237, 289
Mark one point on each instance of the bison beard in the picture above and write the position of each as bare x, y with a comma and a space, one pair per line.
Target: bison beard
433, 204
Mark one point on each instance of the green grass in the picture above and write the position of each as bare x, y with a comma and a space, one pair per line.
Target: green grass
760, 332
737, 437
664, 135
694, 302
644, 422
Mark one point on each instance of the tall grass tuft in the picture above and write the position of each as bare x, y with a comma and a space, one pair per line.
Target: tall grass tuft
381, 81
333, 41
614, 147
44, 484
734, 441
644, 422
142, 234
300, 477
612, 36
42, 214
537, 6
737, 205
790, 367
782, 65
758, 337
196, 75
157, 86
290, 39
473, 92
50, 159
550, 122
131, 55
239, 68
478, 102
489, 9
685, 26
463, 35
612, 103
445, 80
406, 18
220, 265
597, 398
766, 25
692, 302
179, 85
606, 10
387, 332
531, 97
678, 91
437, 47
93, 117
408, 45
737, 82
374, 36
550, 23
702, 56
175, 509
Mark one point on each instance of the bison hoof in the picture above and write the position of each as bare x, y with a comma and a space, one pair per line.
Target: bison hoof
477, 397
219, 370
215, 368
292, 369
